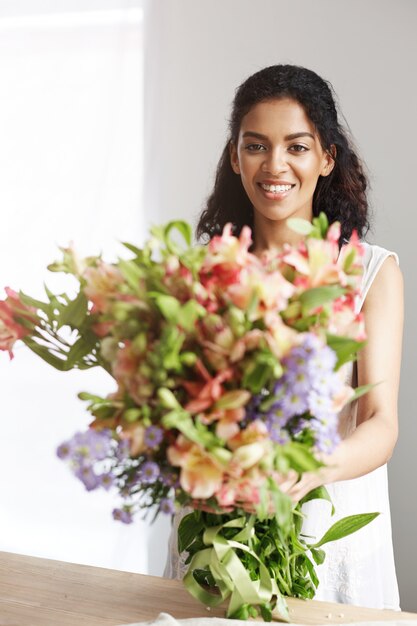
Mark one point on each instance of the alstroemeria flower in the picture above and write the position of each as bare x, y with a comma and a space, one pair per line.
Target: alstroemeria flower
134, 434
279, 336
103, 282
206, 392
10, 329
227, 412
230, 250
201, 474
345, 321
271, 290
250, 446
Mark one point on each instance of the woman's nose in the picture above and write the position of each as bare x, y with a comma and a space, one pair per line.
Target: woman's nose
275, 161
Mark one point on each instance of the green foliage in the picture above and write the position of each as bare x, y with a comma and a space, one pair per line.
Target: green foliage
345, 527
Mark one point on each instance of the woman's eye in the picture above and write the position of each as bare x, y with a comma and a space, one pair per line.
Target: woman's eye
254, 147
299, 148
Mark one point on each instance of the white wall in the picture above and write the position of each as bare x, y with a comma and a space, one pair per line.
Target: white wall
198, 51
70, 167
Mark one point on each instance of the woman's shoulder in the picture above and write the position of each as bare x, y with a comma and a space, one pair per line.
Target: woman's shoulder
375, 255
381, 269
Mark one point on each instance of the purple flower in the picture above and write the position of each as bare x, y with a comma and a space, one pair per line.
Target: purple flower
167, 506
298, 381
106, 480
64, 451
169, 478
320, 405
326, 435
149, 472
323, 361
123, 515
87, 477
153, 436
122, 450
311, 343
327, 383
91, 445
294, 404
277, 434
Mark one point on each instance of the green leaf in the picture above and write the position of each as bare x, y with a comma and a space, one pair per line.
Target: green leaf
323, 223
80, 349
132, 248
345, 348
301, 460
317, 296
349, 259
319, 493
44, 353
310, 567
318, 555
266, 612
362, 390
168, 305
168, 399
132, 273
303, 227
344, 527
182, 421
189, 528
184, 229
74, 313
189, 313
37, 304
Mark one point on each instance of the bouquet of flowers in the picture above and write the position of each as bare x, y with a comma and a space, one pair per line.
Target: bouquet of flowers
228, 375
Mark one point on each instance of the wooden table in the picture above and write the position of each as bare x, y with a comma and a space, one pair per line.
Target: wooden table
41, 592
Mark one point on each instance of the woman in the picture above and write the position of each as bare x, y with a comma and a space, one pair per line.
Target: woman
288, 156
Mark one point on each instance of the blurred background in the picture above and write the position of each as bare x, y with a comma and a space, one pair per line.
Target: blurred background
113, 114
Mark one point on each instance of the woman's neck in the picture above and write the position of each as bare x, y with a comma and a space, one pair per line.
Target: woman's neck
270, 235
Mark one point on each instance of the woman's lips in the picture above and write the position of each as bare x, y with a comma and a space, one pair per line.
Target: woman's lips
275, 191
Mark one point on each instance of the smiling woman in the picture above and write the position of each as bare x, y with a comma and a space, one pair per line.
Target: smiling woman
288, 156
280, 172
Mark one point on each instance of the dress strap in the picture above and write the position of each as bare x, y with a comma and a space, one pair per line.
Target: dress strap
372, 261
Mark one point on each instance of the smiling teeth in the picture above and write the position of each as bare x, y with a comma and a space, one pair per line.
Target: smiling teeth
276, 188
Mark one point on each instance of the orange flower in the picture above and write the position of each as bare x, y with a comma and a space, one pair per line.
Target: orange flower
206, 391
201, 475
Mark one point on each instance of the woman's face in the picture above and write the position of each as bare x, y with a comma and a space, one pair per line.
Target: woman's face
279, 158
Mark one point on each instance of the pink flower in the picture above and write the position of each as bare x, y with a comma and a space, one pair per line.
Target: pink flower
103, 282
128, 370
243, 491
270, 289
250, 446
226, 258
227, 412
11, 309
201, 474
206, 391
228, 249
345, 321
280, 337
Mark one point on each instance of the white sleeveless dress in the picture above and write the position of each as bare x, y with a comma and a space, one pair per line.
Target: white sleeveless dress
358, 569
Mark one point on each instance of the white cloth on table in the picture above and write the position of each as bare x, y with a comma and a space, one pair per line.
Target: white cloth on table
164, 619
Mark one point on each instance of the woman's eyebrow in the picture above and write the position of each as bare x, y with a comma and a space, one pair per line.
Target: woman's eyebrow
297, 135
251, 133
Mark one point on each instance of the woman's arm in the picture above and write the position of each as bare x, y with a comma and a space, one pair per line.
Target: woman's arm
372, 443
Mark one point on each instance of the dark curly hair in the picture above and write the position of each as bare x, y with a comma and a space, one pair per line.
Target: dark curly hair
341, 194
